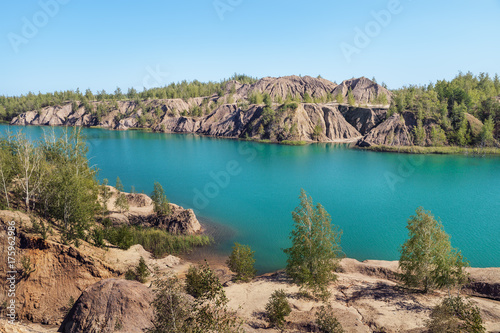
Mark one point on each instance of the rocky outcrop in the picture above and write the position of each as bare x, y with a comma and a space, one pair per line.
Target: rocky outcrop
111, 305
392, 132
363, 90
180, 221
141, 212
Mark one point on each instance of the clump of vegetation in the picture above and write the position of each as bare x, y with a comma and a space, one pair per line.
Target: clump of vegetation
157, 241
315, 251
277, 308
57, 181
456, 315
427, 259
175, 312
27, 267
140, 272
326, 320
241, 262
202, 282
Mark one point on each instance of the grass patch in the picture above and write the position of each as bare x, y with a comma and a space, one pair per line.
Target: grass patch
293, 143
146, 129
158, 242
435, 150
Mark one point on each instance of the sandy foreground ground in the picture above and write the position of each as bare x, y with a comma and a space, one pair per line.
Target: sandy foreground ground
365, 298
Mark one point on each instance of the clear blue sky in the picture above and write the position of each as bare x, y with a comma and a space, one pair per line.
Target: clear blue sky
105, 44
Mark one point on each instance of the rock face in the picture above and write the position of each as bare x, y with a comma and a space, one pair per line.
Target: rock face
111, 305
58, 272
363, 119
392, 132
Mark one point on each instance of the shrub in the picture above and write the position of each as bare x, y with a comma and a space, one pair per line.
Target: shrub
27, 268
454, 314
140, 273
326, 321
278, 308
241, 262
201, 282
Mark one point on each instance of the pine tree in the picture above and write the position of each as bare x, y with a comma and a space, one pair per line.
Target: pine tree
315, 250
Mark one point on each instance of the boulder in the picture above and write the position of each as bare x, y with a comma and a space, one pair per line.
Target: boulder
111, 305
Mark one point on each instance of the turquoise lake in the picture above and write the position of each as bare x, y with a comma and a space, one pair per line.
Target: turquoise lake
252, 188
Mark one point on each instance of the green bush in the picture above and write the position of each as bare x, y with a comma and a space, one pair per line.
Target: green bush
241, 262
454, 314
201, 282
326, 321
278, 308
140, 273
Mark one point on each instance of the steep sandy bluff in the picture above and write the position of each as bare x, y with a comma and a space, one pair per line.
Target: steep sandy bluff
290, 86
111, 305
364, 90
56, 274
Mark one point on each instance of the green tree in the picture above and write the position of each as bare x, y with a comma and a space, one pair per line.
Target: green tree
104, 195
202, 282
427, 258
121, 201
267, 100
339, 98
210, 312
172, 309
160, 201
350, 98
315, 250
307, 98
438, 136
486, 135
241, 262
455, 315
142, 270
419, 133
119, 185
70, 188
277, 308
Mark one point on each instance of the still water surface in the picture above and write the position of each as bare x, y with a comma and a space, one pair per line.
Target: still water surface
250, 189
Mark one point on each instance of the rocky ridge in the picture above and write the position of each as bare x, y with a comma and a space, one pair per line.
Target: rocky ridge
231, 116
